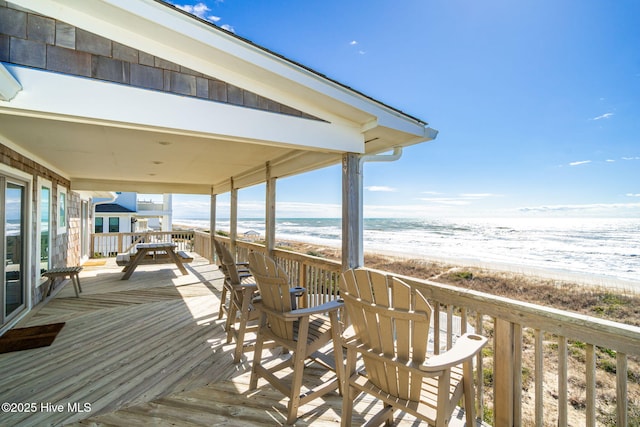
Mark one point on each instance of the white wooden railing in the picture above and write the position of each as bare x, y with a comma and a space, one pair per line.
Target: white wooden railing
567, 359
111, 244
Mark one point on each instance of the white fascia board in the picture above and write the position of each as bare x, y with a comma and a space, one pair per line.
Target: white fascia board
174, 36
63, 97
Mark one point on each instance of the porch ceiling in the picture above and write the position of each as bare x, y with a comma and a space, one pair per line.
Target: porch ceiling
100, 157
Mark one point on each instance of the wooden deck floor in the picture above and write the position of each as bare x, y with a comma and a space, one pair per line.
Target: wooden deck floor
146, 351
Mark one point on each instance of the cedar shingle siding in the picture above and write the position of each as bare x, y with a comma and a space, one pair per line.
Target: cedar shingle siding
37, 41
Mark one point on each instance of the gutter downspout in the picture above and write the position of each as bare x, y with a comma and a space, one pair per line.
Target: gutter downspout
397, 153
9, 86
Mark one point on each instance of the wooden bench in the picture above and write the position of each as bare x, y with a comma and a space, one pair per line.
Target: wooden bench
123, 259
70, 272
185, 257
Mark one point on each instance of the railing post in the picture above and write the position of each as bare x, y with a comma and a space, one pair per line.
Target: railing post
503, 372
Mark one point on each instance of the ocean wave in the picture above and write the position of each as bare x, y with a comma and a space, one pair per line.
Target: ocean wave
606, 247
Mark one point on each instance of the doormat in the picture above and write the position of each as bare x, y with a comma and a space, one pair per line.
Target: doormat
31, 337
94, 262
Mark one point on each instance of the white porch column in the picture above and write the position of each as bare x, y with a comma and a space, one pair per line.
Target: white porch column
212, 225
270, 214
167, 207
233, 218
352, 222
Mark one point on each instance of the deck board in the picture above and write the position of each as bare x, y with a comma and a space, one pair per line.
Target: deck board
147, 351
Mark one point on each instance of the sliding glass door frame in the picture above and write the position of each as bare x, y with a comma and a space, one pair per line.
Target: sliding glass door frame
16, 271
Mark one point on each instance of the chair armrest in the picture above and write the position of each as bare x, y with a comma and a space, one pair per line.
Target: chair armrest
252, 286
322, 308
465, 348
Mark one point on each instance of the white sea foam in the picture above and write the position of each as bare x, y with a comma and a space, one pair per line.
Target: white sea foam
594, 250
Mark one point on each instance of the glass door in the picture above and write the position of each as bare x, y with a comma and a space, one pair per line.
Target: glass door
12, 293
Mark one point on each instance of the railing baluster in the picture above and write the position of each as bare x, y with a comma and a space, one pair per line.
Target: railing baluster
621, 389
539, 377
591, 385
562, 382
450, 330
436, 327
479, 371
517, 380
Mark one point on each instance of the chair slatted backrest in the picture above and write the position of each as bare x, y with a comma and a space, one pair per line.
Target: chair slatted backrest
389, 319
230, 268
273, 285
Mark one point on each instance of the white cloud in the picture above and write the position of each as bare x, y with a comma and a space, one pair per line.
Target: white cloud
631, 158
381, 188
633, 195
449, 201
353, 42
478, 195
610, 161
583, 162
200, 10
228, 28
593, 207
603, 116
434, 193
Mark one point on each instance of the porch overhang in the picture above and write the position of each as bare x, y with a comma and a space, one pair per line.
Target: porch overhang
112, 137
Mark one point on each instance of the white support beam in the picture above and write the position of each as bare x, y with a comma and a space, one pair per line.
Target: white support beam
352, 240
270, 212
233, 219
212, 226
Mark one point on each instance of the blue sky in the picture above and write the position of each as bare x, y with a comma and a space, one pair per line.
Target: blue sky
537, 102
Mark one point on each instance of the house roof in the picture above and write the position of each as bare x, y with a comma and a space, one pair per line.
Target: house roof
117, 137
112, 208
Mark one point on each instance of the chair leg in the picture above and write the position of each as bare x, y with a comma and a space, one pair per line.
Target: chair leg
469, 395
231, 316
244, 318
257, 354
337, 350
348, 393
298, 370
223, 300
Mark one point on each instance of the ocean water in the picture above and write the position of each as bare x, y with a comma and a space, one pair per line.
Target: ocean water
603, 250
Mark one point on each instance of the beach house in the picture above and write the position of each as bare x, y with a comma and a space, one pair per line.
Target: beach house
138, 96
127, 212
103, 96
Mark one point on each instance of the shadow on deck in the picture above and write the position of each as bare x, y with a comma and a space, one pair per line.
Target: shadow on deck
146, 351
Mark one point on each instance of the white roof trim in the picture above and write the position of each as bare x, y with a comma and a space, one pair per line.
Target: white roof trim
64, 97
168, 33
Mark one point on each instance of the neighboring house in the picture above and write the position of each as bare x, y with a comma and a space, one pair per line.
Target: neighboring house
127, 213
101, 96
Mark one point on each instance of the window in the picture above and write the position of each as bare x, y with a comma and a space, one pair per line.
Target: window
45, 224
114, 225
62, 210
99, 225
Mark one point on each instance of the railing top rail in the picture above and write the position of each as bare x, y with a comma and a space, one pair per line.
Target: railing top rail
589, 329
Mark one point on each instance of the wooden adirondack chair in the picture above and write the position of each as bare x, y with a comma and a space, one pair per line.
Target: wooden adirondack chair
391, 326
242, 271
300, 331
241, 313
